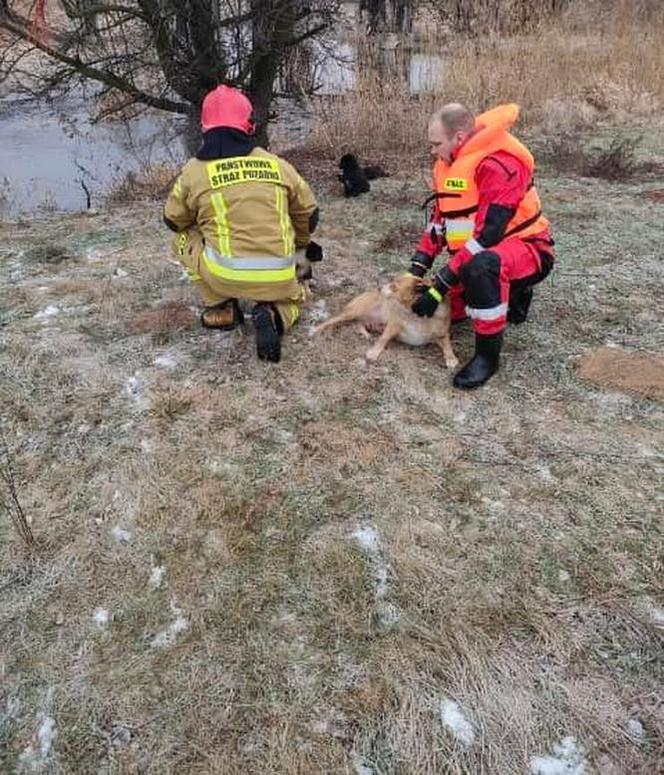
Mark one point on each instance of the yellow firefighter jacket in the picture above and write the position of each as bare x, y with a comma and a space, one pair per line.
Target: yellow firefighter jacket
253, 212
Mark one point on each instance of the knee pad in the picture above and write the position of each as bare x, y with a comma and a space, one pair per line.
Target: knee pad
483, 264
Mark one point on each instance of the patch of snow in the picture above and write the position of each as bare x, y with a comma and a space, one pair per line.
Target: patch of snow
360, 766
319, 313
134, 388
120, 273
456, 723
566, 759
222, 467
157, 576
283, 436
102, 617
635, 731
33, 761
13, 707
120, 736
656, 615
367, 538
50, 312
563, 576
46, 734
166, 361
389, 615
545, 473
369, 542
166, 638
121, 535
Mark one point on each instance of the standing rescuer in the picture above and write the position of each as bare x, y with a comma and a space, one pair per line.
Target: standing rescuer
241, 214
487, 213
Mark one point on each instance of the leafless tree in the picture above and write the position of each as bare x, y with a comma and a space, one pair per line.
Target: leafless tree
387, 15
164, 54
477, 17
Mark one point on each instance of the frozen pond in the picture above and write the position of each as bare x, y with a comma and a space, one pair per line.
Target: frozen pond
47, 150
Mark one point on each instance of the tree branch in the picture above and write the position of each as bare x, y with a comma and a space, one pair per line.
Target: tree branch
19, 27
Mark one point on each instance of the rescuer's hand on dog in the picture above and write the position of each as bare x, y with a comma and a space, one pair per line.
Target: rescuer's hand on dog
428, 302
420, 264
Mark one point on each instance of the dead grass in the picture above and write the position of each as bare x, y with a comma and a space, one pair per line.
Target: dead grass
152, 182
517, 562
569, 74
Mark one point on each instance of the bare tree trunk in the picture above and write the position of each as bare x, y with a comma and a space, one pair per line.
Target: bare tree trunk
272, 28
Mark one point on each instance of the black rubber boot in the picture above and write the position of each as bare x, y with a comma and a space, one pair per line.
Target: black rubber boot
483, 365
520, 299
269, 329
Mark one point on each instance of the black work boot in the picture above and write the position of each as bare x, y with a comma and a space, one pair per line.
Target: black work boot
520, 299
483, 365
269, 329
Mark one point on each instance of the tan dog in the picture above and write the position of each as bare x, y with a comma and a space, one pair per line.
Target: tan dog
389, 309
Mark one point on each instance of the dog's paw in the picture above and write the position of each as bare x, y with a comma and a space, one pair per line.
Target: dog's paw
372, 355
451, 363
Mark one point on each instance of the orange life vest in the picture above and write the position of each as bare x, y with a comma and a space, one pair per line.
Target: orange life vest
456, 189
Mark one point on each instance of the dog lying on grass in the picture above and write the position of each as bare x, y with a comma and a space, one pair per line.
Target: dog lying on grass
355, 177
387, 309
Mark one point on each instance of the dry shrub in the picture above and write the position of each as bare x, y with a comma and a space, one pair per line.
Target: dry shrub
153, 182
170, 404
48, 253
567, 153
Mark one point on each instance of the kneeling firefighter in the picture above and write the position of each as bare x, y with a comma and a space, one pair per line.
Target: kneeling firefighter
487, 214
241, 214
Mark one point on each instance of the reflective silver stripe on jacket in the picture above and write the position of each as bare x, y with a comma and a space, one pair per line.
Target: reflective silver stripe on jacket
249, 262
493, 313
474, 247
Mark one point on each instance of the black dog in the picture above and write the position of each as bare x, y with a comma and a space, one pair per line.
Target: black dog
353, 176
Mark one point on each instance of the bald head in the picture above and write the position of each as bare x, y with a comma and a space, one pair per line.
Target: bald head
449, 127
454, 117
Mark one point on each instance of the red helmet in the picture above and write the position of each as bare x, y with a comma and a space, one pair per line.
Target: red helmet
227, 107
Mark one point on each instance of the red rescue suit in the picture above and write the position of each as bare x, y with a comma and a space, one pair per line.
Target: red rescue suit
487, 213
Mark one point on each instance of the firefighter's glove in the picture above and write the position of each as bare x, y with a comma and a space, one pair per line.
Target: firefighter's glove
428, 302
420, 264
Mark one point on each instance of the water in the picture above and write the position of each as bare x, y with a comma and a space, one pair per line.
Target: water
47, 150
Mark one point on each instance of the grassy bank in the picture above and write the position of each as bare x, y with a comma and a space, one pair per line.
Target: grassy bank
326, 566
